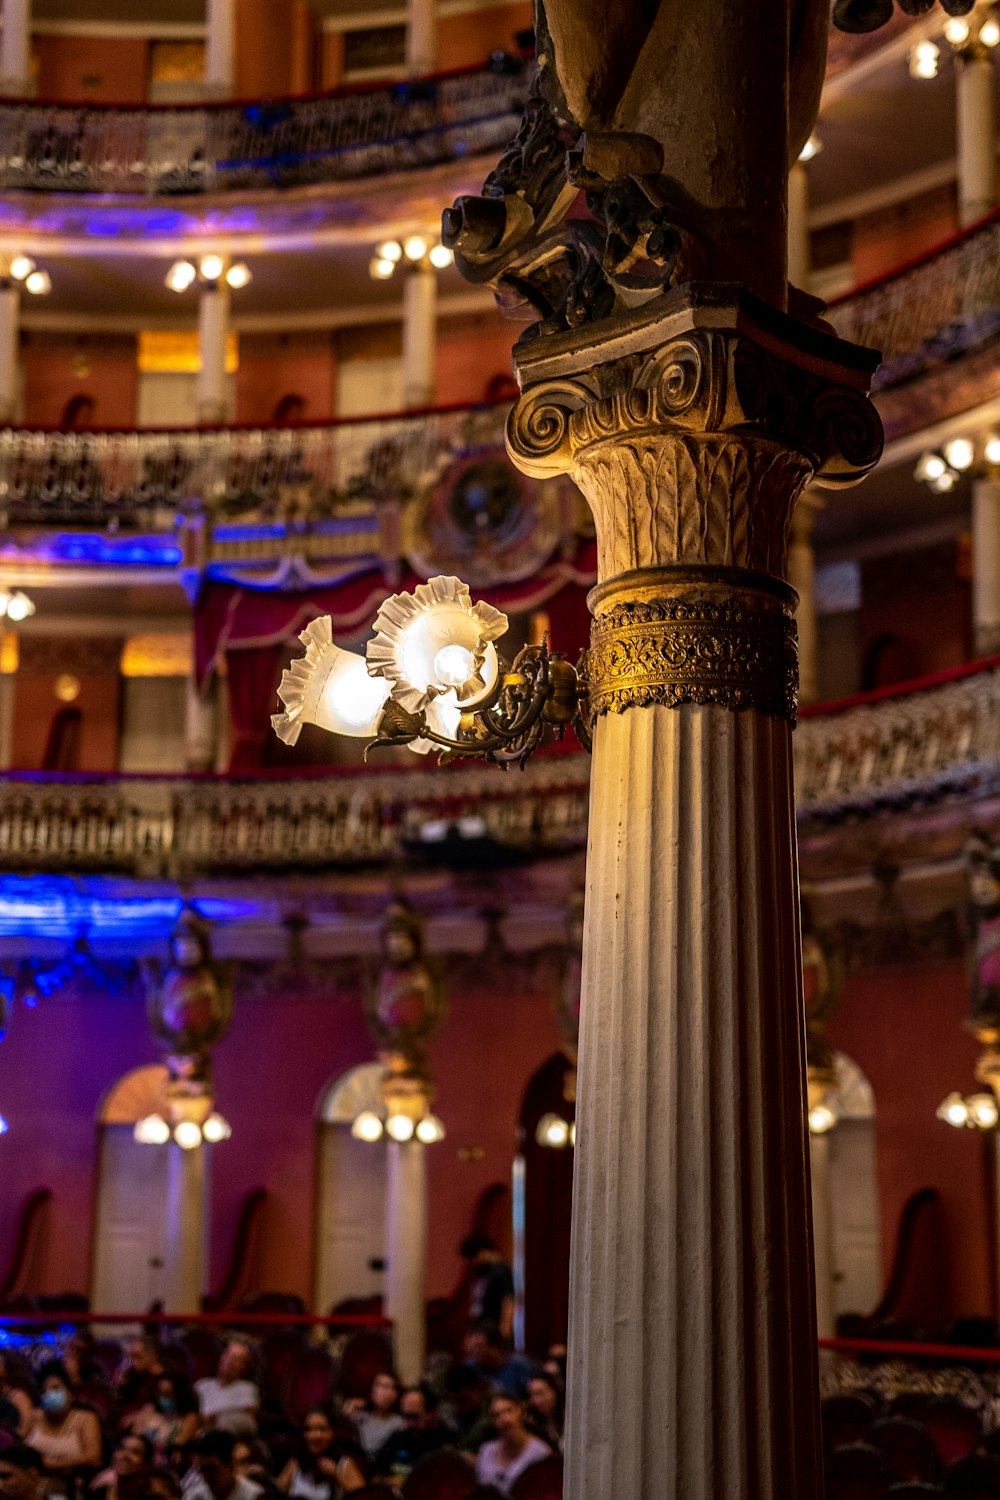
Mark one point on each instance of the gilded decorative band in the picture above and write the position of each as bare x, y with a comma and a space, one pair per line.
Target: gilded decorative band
693, 642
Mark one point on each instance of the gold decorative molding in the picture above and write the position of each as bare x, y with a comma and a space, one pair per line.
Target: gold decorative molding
159, 654
691, 635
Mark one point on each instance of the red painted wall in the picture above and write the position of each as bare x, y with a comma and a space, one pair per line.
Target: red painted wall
36, 706
886, 240
471, 350
904, 1028
276, 365
106, 68
270, 1072
58, 368
264, 48
470, 38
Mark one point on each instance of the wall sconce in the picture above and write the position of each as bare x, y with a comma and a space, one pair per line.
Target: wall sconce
154, 1130
15, 606
971, 1112
414, 253
210, 270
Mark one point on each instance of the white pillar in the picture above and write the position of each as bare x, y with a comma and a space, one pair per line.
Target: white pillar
201, 726
406, 1255
819, 1158
10, 362
419, 335
986, 564
15, 49
421, 37
213, 332
802, 577
977, 139
798, 226
186, 1228
6, 720
220, 48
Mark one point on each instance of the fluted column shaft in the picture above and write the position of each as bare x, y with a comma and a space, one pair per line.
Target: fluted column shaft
15, 48
802, 577
213, 334
986, 564
10, 363
406, 1255
419, 335
819, 1160
692, 1322
220, 48
976, 124
799, 250
186, 1228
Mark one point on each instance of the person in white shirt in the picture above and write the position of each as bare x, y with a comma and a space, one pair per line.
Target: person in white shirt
513, 1450
228, 1400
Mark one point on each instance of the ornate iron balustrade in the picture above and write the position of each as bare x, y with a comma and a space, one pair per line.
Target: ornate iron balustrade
947, 302
292, 477
920, 746
235, 147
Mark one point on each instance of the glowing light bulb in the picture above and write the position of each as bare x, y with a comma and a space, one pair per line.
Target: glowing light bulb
924, 59
953, 1111
960, 453
812, 147
822, 1117
429, 1130
400, 1127
216, 1128
151, 1130
989, 33
930, 467
415, 247
180, 276
381, 269
991, 452
21, 266
390, 250
367, 1126
552, 1130
956, 31
453, 665
239, 275
19, 606
983, 1111
38, 283
944, 483
211, 267
187, 1135
441, 257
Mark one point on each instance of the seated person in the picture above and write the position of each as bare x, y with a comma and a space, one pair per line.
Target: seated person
466, 1408
424, 1433
513, 1450
136, 1377
505, 1371
213, 1474
327, 1464
229, 1400
67, 1436
171, 1419
378, 1418
128, 1470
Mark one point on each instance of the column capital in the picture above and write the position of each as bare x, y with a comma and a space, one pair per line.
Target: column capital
692, 424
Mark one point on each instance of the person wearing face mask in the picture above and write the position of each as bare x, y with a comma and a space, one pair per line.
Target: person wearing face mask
66, 1435
170, 1419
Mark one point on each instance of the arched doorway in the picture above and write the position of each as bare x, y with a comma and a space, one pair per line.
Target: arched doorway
129, 1263
545, 1185
845, 1201
350, 1193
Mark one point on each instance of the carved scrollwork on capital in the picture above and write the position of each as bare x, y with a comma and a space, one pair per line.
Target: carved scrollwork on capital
538, 434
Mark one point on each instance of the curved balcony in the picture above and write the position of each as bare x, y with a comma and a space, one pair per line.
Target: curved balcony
920, 744
171, 150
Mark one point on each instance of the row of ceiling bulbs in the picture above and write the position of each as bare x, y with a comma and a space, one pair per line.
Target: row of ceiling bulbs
409, 254
941, 468
959, 32
210, 269
22, 268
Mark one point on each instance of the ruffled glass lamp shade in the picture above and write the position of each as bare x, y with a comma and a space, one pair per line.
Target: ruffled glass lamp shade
436, 642
328, 687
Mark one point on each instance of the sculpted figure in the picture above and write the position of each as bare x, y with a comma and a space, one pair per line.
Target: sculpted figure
404, 1005
189, 1005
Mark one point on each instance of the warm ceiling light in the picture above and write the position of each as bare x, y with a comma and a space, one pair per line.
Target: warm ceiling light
38, 283
400, 1127
930, 466
924, 59
983, 1111
552, 1130
328, 687
953, 1111
367, 1126
16, 606
989, 32
960, 453
187, 1135
425, 641
822, 1117
216, 1128
180, 276
239, 275
944, 483
211, 267
415, 247
956, 31
991, 450
441, 257
812, 147
381, 270
151, 1130
390, 250
21, 266
429, 1130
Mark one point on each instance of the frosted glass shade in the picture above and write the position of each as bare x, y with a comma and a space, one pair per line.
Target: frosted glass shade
435, 641
328, 687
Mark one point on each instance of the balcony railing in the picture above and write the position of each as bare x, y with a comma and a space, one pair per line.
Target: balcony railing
236, 147
299, 476
944, 303
910, 746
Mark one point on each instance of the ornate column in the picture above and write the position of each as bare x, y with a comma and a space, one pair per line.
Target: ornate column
220, 49
799, 250
986, 563
213, 333
692, 426
419, 334
10, 361
15, 49
977, 134
802, 577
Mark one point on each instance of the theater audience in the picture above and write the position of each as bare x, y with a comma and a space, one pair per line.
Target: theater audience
514, 1448
171, 1420
378, 1418
252, 1460
67, 1436
466, 1408
136, 1377
229, 1399
491, 1293
128, 1470
546, 1409
504, 1371
213, 1474
423, 1433
327, 1465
